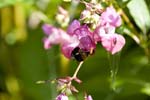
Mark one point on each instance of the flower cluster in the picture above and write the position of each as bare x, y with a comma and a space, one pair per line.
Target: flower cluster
80, 38
65, 88
65, 97
96, 25
105, 32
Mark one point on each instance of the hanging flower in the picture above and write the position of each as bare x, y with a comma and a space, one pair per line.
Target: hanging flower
113, 42
110, 16
110, 40
105, 32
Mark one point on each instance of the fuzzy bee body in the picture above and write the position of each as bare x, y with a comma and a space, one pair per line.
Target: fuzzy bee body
79, 54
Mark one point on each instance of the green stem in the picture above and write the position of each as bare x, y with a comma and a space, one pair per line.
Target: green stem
75, 73
114, 60
147, 52
77, 70
52, 69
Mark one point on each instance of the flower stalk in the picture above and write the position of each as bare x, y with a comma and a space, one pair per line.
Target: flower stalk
77, 70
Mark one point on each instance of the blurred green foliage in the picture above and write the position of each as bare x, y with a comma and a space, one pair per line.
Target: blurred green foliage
23, 60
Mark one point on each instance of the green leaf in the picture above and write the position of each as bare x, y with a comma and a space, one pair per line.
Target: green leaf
140, 13
4, 3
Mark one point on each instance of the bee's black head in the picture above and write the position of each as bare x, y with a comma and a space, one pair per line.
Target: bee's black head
79, 54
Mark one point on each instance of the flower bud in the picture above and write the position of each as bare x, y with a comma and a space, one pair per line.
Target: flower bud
62, 17
89, 97
62, 96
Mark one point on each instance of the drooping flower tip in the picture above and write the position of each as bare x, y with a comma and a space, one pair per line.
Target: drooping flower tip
62, 96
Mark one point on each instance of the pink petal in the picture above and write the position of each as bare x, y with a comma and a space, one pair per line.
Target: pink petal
67, 50
83, 31
88, 97
47, 43
113, 42
103, 30
73, 26
62, 96
111, 16
68, 46
86, 43
107, 42
48, 29
119, 44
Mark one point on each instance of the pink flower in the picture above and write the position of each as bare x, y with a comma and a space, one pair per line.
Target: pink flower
53, 36
76, 36
101, 31
83, 31
73, 26
48, 29
86, 38
62, 97
69, 46
110, 16
58, 36
87, 44
113, 42
89, 97
83, 34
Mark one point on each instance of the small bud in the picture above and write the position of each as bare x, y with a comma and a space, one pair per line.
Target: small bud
77, 80
89, 97
62, 96
72, 88
62, 17
64, 79
85, 14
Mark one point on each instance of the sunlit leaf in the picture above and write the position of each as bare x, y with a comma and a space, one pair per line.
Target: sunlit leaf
140, 13
67, 0
4, 3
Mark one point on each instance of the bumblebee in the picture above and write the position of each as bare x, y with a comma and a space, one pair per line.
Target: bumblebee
80, 55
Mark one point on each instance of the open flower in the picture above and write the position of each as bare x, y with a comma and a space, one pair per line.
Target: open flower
110, 16
110, 40
76, 36
52, 36
102, 31
68, 46
113, 42
84, 35
105, 32
57, 36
